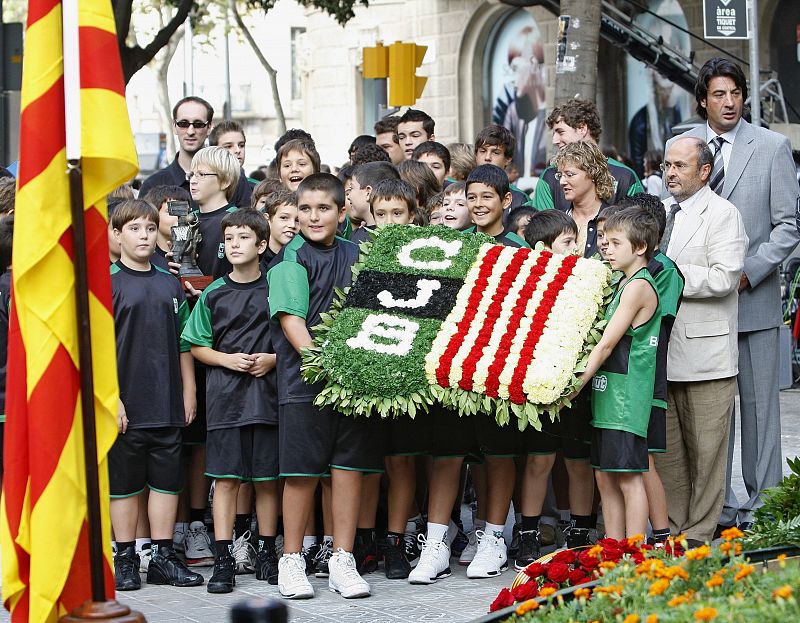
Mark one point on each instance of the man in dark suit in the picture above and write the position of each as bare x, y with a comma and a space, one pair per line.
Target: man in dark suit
753, 169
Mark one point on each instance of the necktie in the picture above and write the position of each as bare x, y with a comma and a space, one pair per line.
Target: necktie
664, 244
718, 172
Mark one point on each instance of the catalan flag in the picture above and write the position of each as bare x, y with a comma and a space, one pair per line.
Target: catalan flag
43, 529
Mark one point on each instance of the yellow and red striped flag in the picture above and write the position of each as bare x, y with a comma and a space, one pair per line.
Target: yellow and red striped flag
43, 531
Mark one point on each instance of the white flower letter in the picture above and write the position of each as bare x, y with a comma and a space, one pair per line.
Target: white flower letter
425, 290
450, 249
399, 330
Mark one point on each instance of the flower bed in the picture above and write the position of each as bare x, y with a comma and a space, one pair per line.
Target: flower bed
436, 315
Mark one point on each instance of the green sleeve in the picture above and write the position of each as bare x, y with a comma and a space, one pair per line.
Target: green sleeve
197, 331
636, 187
183, 318
288, 289
543, 198
670, 288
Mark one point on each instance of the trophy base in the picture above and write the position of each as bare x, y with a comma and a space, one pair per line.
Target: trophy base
199, 282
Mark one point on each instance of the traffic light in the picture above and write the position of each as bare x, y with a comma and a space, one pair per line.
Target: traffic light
375, 63
405, 87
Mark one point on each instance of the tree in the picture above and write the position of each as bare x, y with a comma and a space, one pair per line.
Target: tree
577, 76
135, 56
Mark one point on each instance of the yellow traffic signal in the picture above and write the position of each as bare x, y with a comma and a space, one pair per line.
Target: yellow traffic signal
405, 87
375, 63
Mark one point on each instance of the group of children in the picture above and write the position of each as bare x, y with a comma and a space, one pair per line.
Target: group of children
210, 382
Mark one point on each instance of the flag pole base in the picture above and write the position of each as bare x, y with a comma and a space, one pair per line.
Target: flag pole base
103, 611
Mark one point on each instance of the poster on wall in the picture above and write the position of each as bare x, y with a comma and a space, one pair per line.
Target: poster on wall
517, 89
655, 104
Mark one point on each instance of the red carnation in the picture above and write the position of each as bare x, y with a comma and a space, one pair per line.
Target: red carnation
587, 561
582, 581
526, 591
535, 570
576, 576
557, 572
551, 585
504, 600
567, 556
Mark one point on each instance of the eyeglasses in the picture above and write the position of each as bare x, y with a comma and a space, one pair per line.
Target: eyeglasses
202, 176
197, 125
680, 166
568, 174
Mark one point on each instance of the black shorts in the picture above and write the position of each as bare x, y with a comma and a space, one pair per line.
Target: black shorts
619, 451
314, 440
249, 453
195, 433
405, 436
450, 434
496, 440
571, 433
145, 457
657, 431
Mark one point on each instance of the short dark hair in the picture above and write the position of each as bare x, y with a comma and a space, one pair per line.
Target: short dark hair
157, 195
436, 201
420, 176
369, 152
323, 182
639, 226
290, 135
411, 115
496, 135
575, 113
547, 225
454, 188
394, 189
515, 215
6, 240
130, 209
228, 125
360, 141
246, 217
303, 146
346, 172
279, 198
196, 100
714, 68
649, 202
387, 124
265, 187
607, 212
492, 176
8, 192
372, 173
432, 147
257, 174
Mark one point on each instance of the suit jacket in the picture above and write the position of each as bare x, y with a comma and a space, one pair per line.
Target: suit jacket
761, 181
709, 245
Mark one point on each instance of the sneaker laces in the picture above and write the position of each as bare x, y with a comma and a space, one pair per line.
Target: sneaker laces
433, 544
295, 568
410, 544
200, 538
345, 564
325, 551
128, 563
487, 544
243, 550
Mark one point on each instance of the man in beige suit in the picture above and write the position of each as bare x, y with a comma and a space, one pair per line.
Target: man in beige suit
705, 237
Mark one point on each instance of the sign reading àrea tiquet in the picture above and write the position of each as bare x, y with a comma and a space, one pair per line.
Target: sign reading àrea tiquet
435, 315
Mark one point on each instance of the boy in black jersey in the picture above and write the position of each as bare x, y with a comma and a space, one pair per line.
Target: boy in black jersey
362, 182
6, 240
314, 441
157, 399
159, 197
280, 210
229, 331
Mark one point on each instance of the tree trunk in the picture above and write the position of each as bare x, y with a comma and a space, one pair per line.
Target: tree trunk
161, 65
271, 72
576, 57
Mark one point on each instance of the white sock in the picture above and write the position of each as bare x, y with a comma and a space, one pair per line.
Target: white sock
436, 531
517, 517
309, 541
140, 544
494, 529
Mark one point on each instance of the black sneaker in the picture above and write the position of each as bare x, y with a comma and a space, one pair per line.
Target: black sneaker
166, 568
322, 558
412, 549
126, 570
513, 549
395, 563
267, 566
577, 537
310, 556
529, 549
459, 543
224, 577
365, 551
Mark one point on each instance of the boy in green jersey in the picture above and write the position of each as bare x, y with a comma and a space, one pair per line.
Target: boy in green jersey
623, 368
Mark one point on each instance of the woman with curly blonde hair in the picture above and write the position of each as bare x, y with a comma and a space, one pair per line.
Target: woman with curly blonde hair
587, 184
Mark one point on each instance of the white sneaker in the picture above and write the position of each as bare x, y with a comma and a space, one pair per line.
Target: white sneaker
244, 554
178, 538
292, 580
470, 550
491, 559
145, 555
434, 562
198, 546
343, 576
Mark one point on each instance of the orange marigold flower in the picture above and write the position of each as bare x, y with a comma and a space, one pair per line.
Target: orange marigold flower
658, 587
716, 580
595, 551
653, 618
744, 571
732, 533
547, 591
607, 564
673, 572
783, 592
583, 592
725, 547
631, 618
635, 539
527, 606
706, 614
681, 599
737, 548
698, 553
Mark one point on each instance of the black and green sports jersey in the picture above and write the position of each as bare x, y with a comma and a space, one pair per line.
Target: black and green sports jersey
669, 285
362, 234
233, 317
622, 389
211, 250
301, 283
5, 304
159, 259
150, 312
507, 238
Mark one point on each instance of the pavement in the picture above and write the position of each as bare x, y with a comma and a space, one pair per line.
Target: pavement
393, 601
